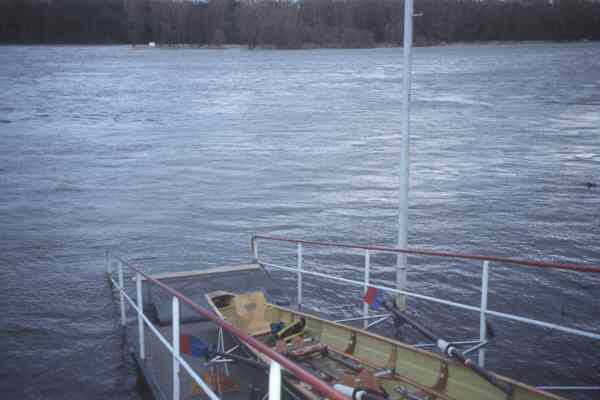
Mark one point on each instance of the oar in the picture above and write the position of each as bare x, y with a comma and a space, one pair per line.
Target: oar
450, 350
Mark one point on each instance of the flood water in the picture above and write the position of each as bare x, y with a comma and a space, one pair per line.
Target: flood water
173, 158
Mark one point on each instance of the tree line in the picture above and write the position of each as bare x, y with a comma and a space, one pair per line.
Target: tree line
294, 24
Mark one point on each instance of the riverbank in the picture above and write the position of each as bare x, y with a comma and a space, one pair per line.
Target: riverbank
230, 46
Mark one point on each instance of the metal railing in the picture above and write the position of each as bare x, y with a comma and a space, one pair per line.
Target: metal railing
277, 361
483, 309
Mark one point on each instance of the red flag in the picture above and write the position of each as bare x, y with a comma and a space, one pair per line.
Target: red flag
373, 297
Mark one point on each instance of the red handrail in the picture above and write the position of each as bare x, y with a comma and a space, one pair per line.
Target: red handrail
525, 263
296, 370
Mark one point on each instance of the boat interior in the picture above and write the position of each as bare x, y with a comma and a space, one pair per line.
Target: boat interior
352, 357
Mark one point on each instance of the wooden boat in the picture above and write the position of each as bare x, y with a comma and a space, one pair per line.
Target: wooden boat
350, 358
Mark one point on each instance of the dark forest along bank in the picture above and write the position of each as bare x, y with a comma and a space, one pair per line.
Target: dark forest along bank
297, 24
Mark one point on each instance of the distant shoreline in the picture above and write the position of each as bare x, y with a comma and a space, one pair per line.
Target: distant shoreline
183, 46
299, 24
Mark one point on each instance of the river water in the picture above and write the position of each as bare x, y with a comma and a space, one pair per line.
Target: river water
174, 157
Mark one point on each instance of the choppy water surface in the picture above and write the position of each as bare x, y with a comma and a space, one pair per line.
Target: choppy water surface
173, 158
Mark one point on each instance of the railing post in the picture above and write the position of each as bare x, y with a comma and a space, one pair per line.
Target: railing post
121, 297
140, 305
299, 274
367, 277
482, 316
274, 381
175, 319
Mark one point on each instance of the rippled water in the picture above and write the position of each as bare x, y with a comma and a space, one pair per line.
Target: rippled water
173, 158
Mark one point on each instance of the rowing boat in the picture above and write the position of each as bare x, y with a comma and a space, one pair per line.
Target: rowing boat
358, 362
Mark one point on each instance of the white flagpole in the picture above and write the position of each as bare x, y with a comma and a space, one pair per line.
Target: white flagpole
404, 154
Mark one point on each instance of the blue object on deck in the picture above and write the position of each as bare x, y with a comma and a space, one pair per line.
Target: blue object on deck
193, 346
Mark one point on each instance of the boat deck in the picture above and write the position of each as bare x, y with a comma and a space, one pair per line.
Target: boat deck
157, 367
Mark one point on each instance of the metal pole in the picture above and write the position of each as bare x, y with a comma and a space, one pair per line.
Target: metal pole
575, 388
404, 154
108, 264
140, 305
275, 381
121, 297
255, 249
299, 274
367, 276
482, 316
175, 318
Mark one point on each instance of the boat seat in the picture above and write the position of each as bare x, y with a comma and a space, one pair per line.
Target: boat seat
249, 311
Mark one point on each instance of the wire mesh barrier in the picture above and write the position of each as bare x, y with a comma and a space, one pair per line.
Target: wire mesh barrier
277, 361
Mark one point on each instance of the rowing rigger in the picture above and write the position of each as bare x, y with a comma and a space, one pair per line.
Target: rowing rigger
449, 349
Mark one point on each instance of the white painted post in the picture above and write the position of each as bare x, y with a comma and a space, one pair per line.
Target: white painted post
299, 274
108, 263
482, 316
175, 319
255, 249
366, 286
404, 154
140, 305
274, 381
121, 296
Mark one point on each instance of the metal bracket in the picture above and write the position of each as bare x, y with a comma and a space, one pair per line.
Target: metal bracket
352, 344
379, 321
442, 381
391, 364
221, 347
478, 346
